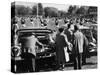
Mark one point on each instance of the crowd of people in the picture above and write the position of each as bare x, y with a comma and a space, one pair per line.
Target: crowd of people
66, 34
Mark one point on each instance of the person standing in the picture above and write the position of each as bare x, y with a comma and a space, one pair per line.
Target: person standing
32, 21
69, 34
23, 22
60, 42
77, 48
28, 41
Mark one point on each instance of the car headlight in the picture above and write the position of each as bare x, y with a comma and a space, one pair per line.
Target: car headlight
15, 51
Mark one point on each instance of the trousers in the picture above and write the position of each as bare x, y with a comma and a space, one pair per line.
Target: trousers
77, 59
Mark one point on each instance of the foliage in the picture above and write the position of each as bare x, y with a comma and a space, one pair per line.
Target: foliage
73, 10
50, 11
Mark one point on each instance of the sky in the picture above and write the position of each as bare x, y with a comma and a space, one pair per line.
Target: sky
58, 6
30, 4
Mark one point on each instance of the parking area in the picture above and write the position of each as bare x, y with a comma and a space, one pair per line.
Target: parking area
91, 63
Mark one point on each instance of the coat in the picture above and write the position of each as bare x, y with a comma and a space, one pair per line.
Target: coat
60, 44
80, 42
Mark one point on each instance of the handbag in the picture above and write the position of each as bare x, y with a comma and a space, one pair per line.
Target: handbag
66, 54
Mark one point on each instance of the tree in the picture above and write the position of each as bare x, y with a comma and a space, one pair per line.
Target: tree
46, 11
92, 10
40, 9
22, 10
29, 11
62, 14
34, 10
72, 9
12, 9
50, 11
81, 11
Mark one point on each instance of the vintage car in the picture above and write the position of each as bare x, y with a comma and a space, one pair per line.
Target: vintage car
91, 34
45, 56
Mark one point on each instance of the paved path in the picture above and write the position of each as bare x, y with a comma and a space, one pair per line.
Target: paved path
91, 64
